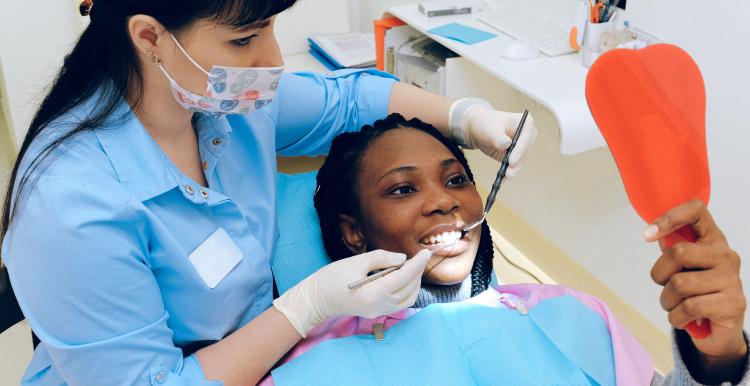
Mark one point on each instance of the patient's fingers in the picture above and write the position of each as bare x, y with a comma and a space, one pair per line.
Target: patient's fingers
692, 213
683, 285
684, 255
720, 307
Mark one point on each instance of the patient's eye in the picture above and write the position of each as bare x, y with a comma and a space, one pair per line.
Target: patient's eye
458, 180
401, 190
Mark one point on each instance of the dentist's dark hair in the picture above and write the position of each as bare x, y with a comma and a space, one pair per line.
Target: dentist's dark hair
336, 193
104, 63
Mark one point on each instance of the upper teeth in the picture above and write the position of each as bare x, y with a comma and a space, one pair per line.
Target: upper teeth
443, 238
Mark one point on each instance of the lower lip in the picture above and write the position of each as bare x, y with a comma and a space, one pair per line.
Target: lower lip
456, 249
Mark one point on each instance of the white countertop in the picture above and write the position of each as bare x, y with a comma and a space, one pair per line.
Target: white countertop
557, 83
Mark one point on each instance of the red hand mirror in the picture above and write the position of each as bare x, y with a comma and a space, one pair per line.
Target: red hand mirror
650, 105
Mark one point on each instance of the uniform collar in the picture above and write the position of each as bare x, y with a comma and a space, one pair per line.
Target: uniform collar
210, 129
139, 162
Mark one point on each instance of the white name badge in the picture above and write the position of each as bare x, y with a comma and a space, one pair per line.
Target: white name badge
215, 257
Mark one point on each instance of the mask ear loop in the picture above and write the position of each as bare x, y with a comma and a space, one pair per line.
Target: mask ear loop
210, 75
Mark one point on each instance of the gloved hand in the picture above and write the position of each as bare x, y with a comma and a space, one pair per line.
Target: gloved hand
475, 124
325, 293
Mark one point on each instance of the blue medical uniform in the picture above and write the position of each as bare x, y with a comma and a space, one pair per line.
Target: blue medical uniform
98, 254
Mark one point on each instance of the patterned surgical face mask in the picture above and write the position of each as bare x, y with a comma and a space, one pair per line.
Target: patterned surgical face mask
230, 90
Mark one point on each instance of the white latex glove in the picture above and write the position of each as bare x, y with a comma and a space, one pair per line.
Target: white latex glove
475, 124
325, 293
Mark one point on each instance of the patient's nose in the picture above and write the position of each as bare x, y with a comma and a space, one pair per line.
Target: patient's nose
439, 201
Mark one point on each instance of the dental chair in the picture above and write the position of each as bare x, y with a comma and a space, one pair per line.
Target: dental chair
10, 313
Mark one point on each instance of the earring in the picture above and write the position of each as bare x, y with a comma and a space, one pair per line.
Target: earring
155, 58
85, 7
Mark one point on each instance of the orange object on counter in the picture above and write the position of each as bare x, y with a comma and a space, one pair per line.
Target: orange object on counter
381, 25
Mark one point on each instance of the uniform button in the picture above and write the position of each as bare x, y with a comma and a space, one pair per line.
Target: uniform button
204, 193
161, 376
330, 74
189, 189
216, 141
205, 165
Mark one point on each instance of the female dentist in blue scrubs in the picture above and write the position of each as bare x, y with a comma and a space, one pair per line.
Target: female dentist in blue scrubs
140, 217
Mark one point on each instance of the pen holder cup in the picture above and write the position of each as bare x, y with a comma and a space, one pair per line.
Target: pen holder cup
592, 39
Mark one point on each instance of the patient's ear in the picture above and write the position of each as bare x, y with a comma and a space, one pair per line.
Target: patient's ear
351, 234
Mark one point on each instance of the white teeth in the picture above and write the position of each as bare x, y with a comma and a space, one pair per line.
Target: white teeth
443, 238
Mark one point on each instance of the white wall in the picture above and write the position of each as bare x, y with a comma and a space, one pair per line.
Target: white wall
311, 17
716, 35
34, 36
370, 10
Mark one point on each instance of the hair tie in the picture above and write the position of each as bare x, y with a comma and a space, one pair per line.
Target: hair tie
85, 7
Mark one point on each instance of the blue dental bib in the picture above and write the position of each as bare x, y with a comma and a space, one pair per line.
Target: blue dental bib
559, 342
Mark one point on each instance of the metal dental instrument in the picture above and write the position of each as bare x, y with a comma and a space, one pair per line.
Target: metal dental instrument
383, 272
499, 178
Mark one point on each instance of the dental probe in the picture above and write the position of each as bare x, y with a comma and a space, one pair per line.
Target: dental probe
383, 272
499, 178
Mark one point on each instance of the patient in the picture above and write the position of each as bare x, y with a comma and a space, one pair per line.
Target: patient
406, 190
402, 186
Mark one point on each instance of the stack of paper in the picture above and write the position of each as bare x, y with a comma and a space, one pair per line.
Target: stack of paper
354, 50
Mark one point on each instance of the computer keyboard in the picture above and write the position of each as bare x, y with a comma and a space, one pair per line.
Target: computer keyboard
544, 24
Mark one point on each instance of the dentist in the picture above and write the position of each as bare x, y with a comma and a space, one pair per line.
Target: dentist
140, 217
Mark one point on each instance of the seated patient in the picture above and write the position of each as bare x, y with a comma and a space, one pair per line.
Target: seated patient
402, 186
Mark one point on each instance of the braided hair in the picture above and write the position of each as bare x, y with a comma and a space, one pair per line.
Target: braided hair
337, 178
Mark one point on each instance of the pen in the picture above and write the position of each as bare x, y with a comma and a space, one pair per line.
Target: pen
605, 11
597, 11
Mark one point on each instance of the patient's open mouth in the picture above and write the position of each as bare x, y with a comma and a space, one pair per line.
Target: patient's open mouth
446, 242
442, 239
